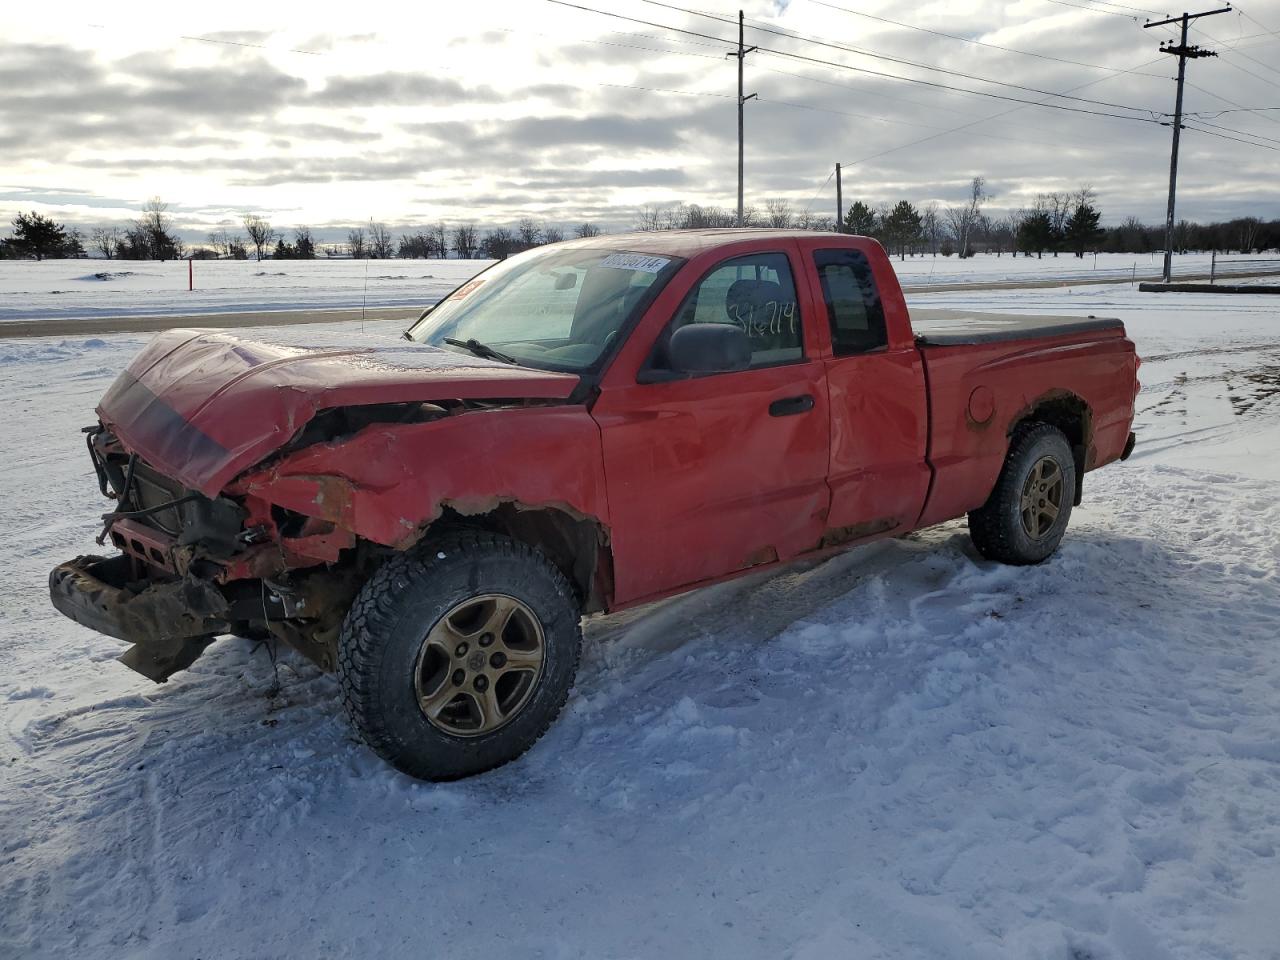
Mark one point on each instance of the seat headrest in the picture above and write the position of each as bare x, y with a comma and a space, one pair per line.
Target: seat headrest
746, 298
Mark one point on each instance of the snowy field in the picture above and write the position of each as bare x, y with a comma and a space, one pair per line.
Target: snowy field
69, 289
905, 752
115, 288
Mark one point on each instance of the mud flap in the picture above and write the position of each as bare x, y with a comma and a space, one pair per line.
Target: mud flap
162, 657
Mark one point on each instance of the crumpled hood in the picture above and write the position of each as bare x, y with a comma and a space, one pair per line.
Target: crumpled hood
202, 407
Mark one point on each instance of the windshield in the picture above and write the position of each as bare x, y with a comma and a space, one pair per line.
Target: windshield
552, 308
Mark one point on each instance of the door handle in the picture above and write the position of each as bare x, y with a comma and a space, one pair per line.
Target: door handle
791, 406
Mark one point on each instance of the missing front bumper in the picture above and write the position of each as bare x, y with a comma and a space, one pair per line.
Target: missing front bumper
168, 623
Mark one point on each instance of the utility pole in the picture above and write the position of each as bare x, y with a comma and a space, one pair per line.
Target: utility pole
839, 202
742, 56
1183, 53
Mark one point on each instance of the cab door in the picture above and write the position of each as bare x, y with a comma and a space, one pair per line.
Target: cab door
712, 474
879, 473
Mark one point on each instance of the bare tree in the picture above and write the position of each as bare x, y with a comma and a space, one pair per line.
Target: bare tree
1249, 228
106, 240
1000, 233
465, 240
778, 212
499, 243
228, 246
440, 241
381, 246
356, 243
585, 230
259, 231
963, 219
528, 233
552, 235
1059, 207
931, 226
152, 236
649, 218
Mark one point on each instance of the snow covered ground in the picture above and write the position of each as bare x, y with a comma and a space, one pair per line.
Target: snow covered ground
114, 288
102, 288
905, 752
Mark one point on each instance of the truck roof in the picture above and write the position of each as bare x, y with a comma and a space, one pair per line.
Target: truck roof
689, 243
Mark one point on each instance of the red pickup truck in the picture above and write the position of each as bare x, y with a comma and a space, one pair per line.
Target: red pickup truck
581, 428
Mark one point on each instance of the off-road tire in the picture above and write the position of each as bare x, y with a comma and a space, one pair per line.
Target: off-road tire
383, 634
997, 527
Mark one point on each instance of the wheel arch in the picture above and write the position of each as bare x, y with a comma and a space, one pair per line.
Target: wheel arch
578, 544
1069, 413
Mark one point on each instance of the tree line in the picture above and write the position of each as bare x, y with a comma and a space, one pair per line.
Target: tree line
1059, 222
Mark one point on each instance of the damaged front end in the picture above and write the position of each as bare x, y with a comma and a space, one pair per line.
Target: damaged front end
192, 567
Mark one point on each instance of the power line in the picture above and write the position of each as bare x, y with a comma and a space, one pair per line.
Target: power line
1229, 63
793, 35
966, 126
970, 40
1234, 52
877, 73
846, 86
682, 93
1081, 6
1218, 113
768, 101
1245, 133
1233, 103
977, 93
1223, 136
613, 43
256, 46
1268, 31
1125, 6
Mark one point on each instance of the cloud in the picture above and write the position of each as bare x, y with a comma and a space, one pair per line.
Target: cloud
439, 119
399, 89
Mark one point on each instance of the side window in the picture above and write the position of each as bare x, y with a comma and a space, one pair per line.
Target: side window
758, 293
853, 302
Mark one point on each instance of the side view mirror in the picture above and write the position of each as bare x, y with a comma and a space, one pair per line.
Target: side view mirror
566, 281
709, 348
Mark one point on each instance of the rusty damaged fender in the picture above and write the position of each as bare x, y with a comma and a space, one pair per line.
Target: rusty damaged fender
389, 481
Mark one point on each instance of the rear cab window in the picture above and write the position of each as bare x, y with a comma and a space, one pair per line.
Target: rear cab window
854, 310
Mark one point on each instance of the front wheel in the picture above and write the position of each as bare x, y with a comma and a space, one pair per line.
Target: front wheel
1024, 519
457, 656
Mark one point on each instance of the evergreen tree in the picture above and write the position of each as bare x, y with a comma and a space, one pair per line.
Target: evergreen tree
902, 228
860, 220
38, 236
1035, 232
304, 246
1082, 229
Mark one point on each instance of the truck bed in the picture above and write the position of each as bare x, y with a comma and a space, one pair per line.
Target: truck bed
949, 328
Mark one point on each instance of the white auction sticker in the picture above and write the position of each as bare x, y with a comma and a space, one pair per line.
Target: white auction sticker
635, 261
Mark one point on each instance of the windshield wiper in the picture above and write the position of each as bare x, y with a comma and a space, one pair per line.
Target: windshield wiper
482, 350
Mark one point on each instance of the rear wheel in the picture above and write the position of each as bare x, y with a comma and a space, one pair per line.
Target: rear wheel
1027, 513
456, 657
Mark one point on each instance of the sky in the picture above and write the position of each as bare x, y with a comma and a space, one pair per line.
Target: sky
331, 115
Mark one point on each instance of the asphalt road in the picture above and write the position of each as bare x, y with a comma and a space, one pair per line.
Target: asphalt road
92, 326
